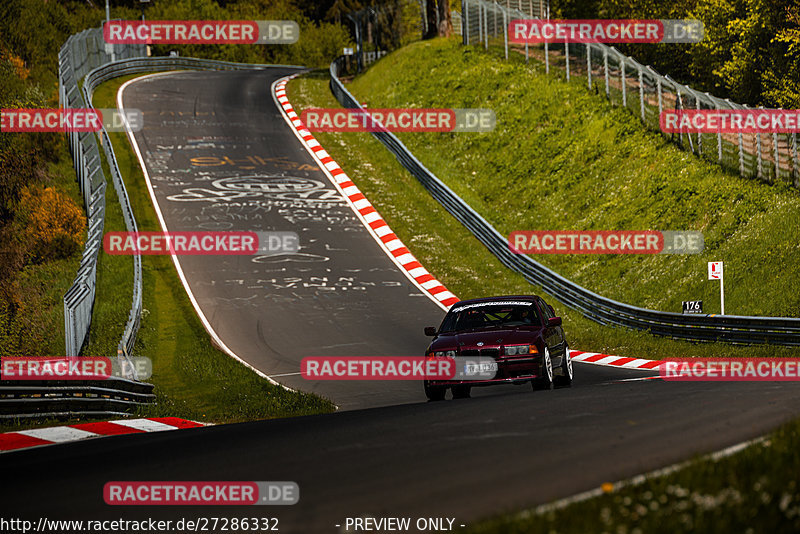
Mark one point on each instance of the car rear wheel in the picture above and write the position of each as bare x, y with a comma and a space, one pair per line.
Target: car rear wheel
434, 393
545, 381
461, 392
565, 380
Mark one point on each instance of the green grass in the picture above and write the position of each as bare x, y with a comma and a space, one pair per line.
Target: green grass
755, 490
193, 379
576, 163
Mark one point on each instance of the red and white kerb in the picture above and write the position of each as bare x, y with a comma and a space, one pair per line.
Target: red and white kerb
395, 248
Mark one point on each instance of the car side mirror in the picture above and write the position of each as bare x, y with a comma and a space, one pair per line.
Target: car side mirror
554, 321
430, 331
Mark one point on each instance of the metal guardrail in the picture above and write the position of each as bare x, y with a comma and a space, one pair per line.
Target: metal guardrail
80, 54
93, 79
85, 56
29, 399
729, 328
769, 157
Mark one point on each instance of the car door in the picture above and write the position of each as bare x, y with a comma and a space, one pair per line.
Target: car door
553, 335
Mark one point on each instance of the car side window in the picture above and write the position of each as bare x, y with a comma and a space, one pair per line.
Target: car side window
548, 313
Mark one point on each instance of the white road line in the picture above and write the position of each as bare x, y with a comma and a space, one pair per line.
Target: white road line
163, 224
636, 480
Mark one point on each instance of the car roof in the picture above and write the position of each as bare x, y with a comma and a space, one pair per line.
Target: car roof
489, 300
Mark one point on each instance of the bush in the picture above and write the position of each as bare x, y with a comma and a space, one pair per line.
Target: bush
54, 226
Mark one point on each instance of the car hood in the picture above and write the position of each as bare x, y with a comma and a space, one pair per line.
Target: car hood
492, 337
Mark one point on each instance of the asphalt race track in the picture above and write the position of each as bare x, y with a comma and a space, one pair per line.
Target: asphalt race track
459, 458
389, 453
220, 157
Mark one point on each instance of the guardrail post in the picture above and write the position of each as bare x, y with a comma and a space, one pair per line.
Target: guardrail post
719, 140
622, 78
741, 155
505, 33
605, 69
566, 55
699, 135
480, 24
486, 27
760, 170
660, 103
464, 23
494, 19
740, 142
795, 166
679, 107
589, 65
546, 58
641, 93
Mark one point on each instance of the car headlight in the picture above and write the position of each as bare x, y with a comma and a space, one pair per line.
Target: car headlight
445, 354
513, 350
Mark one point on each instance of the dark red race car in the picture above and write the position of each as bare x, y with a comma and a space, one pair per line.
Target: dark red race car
514, 339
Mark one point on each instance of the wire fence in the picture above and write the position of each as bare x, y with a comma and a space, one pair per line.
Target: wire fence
771, 157
81, 54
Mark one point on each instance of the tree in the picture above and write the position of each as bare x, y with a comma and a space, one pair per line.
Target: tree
431, 30
445, 22
437, 11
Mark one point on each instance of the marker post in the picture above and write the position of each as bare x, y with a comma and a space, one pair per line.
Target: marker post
715, 272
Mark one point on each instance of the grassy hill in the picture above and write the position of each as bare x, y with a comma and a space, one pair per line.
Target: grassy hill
561, 158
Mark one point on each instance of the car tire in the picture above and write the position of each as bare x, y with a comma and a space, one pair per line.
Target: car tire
461, 392
434, 393
565, 380
545, 381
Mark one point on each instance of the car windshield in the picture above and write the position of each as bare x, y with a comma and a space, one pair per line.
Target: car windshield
490, 315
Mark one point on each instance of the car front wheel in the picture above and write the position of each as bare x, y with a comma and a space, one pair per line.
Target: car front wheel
434, 393
565, 380
461, 392
545, 380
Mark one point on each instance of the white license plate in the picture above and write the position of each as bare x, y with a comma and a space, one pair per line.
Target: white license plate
480, 368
